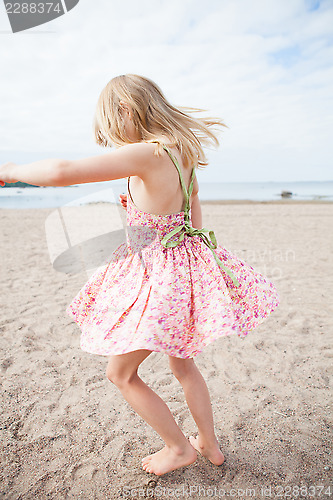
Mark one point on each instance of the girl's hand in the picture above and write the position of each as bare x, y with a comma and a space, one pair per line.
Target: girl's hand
123, 200
6, 173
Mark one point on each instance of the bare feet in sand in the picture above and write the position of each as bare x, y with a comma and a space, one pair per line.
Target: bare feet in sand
167, 460
213, 453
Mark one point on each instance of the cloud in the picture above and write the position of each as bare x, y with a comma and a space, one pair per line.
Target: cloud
263, 66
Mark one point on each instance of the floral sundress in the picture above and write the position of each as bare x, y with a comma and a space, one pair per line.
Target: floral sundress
169, 288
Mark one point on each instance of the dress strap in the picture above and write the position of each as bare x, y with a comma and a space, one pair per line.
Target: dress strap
187, 193
128, 190
187, 228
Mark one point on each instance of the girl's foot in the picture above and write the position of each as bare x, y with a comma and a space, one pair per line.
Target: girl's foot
213, 453
168, 459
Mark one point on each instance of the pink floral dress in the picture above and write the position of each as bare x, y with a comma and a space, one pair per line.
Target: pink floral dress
170, 288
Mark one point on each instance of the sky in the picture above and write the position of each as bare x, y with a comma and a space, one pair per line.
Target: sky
263, 66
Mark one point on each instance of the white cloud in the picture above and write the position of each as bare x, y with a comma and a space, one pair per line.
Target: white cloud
263, 66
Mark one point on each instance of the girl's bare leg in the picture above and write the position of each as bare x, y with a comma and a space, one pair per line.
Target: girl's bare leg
178, 452
198, 400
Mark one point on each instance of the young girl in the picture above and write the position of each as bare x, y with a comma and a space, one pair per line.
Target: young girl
170, 288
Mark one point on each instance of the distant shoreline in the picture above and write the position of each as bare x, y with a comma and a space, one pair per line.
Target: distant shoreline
210, 193
264, 202
202, 203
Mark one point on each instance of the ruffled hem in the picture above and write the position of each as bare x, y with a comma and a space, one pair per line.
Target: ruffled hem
175, 301
114, 350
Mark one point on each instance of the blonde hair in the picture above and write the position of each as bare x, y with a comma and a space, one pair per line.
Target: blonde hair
153, 117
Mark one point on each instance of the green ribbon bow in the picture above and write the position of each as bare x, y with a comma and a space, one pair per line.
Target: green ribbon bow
210, 241
186, 228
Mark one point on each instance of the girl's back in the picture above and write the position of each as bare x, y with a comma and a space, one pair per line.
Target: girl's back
161, 192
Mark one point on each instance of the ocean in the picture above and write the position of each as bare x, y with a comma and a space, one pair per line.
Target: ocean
51, 197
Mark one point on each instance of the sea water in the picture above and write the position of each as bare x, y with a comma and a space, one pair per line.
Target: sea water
50, 197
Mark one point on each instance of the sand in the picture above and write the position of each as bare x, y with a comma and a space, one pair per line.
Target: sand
67, 432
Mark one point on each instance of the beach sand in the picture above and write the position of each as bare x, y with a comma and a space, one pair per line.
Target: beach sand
67, 432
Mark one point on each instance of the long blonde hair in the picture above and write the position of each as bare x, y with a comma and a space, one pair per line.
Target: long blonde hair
153, 117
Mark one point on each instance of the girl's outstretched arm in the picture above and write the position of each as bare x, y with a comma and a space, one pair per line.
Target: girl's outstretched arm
39, 173
132, 159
